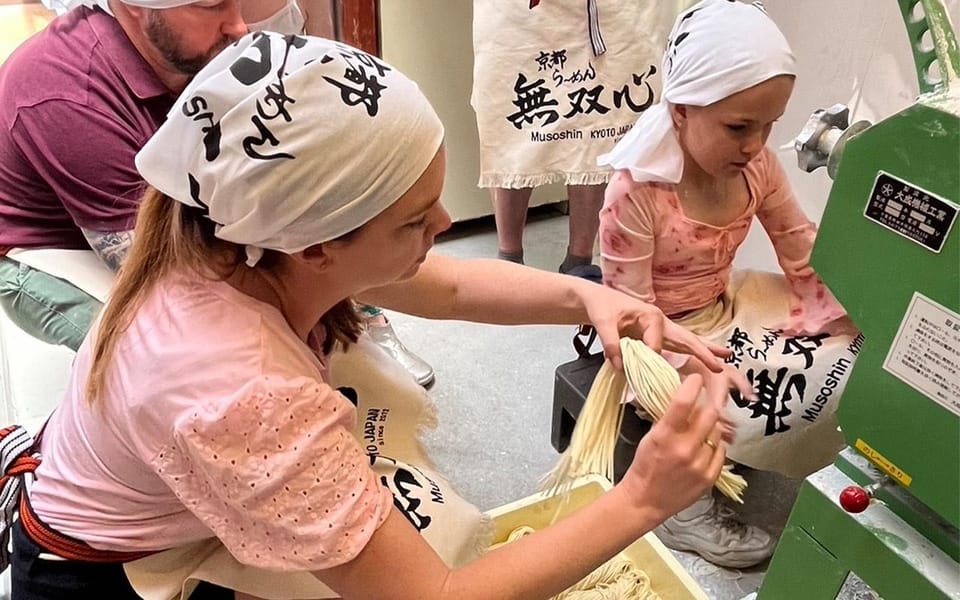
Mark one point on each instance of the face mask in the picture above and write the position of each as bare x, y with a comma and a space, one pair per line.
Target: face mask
287, 20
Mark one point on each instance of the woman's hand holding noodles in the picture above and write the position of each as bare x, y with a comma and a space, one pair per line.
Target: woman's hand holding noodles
673, 465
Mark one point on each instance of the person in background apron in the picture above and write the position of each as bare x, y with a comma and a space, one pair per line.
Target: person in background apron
79, 99
555, 84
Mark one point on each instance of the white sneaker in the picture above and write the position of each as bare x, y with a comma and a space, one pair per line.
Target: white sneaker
385, 337
710, 529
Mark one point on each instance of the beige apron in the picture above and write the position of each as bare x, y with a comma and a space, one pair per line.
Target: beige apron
547, 103
793, 429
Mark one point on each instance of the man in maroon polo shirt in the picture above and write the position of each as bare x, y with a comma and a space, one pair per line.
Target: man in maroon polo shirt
77, 102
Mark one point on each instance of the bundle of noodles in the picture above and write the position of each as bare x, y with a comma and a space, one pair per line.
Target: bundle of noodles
653, 382
616, 579
594, 437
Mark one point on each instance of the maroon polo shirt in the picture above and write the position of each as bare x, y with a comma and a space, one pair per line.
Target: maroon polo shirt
77, 101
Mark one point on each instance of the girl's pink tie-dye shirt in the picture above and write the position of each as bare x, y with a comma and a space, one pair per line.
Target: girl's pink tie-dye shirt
652, 251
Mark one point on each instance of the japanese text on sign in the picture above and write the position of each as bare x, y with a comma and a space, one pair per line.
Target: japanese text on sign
925, 354
910, 211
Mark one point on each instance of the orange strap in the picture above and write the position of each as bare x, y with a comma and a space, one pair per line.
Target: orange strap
65, 546
27, 461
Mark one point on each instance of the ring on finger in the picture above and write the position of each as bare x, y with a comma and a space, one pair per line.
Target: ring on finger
711, 443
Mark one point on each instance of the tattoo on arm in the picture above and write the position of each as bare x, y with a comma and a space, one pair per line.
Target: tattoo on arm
111, 247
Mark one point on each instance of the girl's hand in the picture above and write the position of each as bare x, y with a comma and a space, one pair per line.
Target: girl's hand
673, 464
615, 315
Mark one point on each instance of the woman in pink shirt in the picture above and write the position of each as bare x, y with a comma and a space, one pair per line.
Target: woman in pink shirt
691, 176
294, 175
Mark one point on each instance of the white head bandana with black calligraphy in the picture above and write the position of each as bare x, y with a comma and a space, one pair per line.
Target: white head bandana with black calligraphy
290, 141
716, 49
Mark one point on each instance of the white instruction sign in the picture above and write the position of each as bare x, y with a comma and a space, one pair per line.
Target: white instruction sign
925, 353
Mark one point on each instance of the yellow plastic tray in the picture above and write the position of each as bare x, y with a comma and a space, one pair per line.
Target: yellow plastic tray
667, 577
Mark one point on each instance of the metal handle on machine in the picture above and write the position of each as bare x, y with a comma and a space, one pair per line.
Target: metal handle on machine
821, 141
942, 46
932, 40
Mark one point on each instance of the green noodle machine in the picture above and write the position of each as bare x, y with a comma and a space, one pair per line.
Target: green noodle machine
888, 509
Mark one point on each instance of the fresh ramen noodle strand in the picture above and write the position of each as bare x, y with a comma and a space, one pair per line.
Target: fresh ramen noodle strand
654, 382
616, 579
595, 435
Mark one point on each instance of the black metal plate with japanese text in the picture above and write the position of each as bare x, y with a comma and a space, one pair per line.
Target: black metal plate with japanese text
913, 212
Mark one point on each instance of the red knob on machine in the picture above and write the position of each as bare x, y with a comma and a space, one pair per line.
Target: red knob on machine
854, 499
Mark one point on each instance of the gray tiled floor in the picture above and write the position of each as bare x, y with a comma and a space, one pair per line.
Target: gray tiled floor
494, 394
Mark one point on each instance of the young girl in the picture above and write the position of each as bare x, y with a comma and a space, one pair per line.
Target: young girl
692, 174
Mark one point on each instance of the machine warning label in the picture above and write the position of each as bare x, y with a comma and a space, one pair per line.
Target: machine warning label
881, 461
914, 213
925, 353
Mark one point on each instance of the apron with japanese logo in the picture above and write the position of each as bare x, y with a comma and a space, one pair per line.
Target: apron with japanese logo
793, 427
558, 83
392, 411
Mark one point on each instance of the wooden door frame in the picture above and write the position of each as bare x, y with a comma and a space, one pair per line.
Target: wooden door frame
357, 22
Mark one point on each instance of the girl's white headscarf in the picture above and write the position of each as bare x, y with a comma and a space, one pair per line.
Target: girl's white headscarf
289, 141
716, 49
